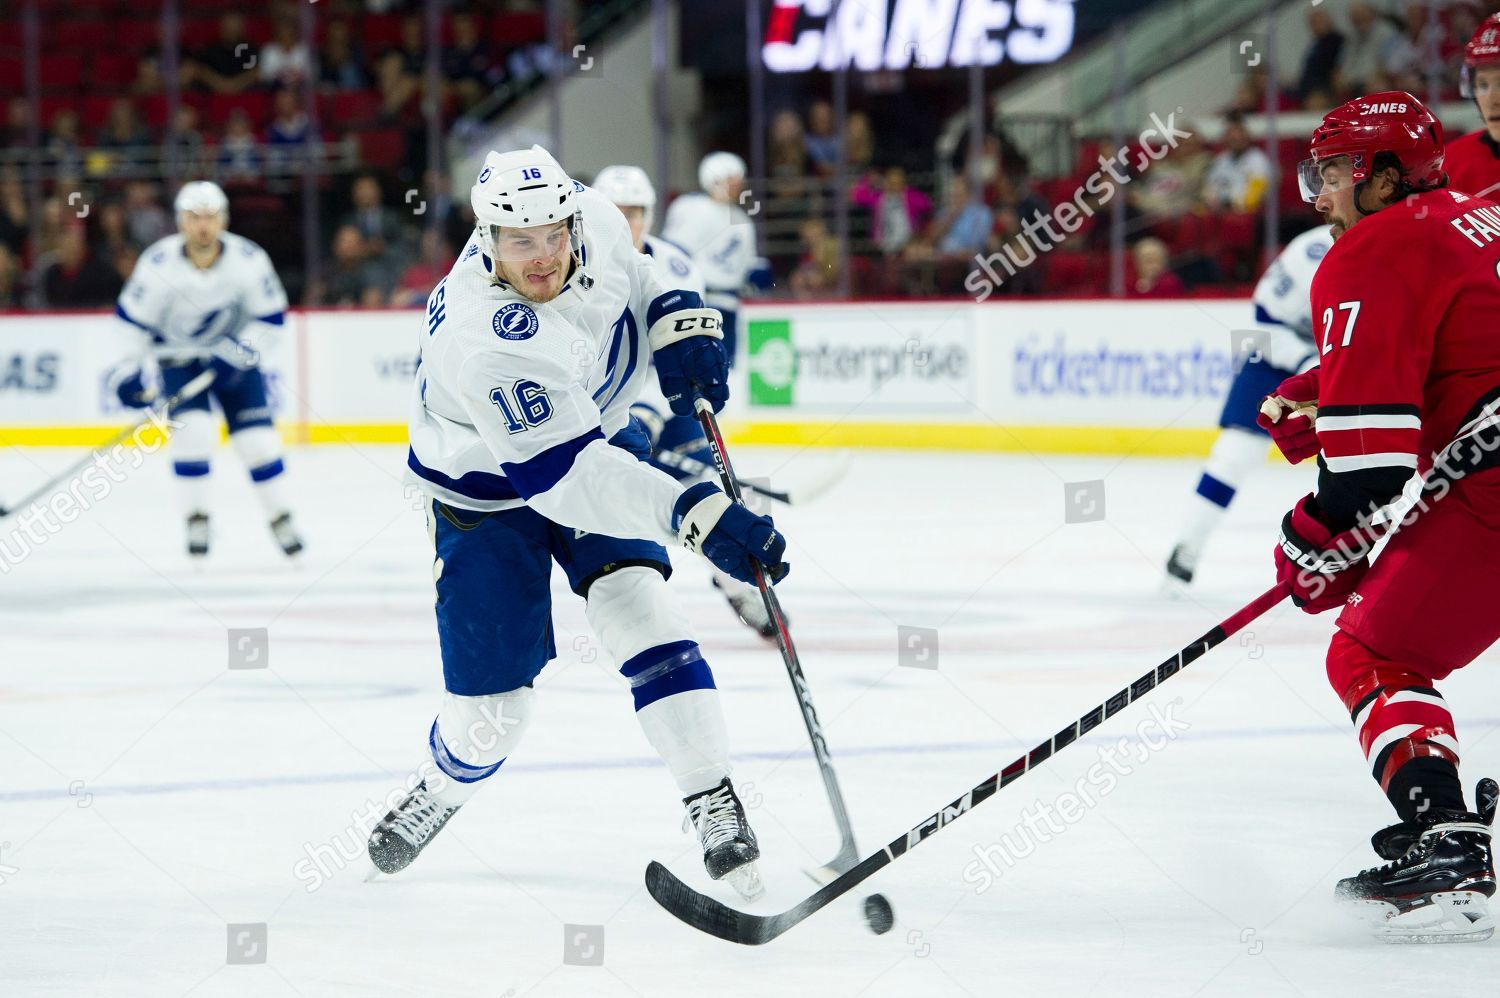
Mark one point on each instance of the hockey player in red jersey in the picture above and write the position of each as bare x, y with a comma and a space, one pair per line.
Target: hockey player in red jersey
1404, 309
1473, 161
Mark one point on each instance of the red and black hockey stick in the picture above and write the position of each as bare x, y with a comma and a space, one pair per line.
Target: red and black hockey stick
848, 851
708, 915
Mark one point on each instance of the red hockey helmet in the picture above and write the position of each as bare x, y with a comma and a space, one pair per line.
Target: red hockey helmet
1482, 52
1391, 121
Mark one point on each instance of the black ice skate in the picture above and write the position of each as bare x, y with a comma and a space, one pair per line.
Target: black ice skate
1179, 570
1437, 887
749, 607
729, 846
286, 535
403, 833
197, 535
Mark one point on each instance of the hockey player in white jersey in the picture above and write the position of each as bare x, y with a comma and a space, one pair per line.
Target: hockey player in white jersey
1279, 346
533, 348
717, 233
200, 300
632, 192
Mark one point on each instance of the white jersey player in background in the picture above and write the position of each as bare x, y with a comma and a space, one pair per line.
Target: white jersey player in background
533, 348
1279, 346
632, 192
717, 233
201, 300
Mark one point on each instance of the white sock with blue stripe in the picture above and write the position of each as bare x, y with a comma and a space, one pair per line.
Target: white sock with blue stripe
470, 738
1236, 453
260, 448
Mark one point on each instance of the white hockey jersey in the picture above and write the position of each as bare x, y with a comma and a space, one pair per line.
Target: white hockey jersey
721, 241
186, 311
514, 401
1283, 298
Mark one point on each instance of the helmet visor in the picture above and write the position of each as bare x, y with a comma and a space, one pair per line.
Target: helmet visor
1309, 180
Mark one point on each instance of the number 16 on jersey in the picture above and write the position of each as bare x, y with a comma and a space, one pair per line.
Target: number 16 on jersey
526, 398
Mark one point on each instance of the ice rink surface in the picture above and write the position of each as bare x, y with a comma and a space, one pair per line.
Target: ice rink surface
153, 797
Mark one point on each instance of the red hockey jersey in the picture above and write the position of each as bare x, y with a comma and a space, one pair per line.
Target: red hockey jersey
1406, 309
1473, 165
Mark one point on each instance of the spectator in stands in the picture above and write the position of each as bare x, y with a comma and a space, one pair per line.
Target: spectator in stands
1172, 186
398, 88
897, 210
123, 128
381, 229
289, 132
284, 61
418, 280
182, 146
961, 230
1362, 64
113, 247
1238, 178
64, 153
76, 278
145, 218
14, 212
17, 124
1153, 278
821, 142
468, 64
1463, 23
859, 140
11, 294
413, 45
239, 159
1315, 87
1407, 53
355, 277
1007, 232
818, 270
340, 64
228, 66
787, 154
148, 80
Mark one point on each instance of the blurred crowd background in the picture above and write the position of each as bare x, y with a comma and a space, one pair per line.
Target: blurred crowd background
328, 128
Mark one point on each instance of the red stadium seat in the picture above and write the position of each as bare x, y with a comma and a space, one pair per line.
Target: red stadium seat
199, 32
12, 77
62, 72
93, 110
381, 32
511, 30
76, 35
136, 34
382, 148
49, 106
109, 69
352, 109
253, 102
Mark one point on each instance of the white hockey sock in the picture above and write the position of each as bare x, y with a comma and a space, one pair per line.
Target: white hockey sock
260, 449
192, 447
470, 738
638, 619
1235, 454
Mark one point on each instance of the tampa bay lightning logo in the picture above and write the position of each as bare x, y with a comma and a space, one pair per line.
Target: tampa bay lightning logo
484, 175
1316, 252
515, 322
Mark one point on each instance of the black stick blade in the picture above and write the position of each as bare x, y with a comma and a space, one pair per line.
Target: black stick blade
706, 914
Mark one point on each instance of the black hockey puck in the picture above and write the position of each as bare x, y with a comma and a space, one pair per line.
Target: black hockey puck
878, 914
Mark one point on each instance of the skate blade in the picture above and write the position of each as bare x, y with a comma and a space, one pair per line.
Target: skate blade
746, 881
1449, 917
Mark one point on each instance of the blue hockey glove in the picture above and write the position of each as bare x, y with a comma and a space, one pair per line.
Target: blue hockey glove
687, 342
133, 392
728, 534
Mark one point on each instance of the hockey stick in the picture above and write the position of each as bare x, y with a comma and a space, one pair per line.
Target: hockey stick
707, 915
848, 851
197, 386
830, 476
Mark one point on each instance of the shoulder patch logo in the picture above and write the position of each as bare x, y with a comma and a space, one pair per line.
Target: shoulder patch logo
1316, 251
473, 248
515, 321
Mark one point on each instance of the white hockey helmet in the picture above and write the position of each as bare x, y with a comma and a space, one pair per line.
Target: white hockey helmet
525, 188
202, 197
626, 186
719, 167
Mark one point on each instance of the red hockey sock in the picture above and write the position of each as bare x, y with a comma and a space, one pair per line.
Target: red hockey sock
1404, 727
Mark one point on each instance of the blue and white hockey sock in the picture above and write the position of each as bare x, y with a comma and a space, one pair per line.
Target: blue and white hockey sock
470, 738
1234, 456
260, 448
192, 448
